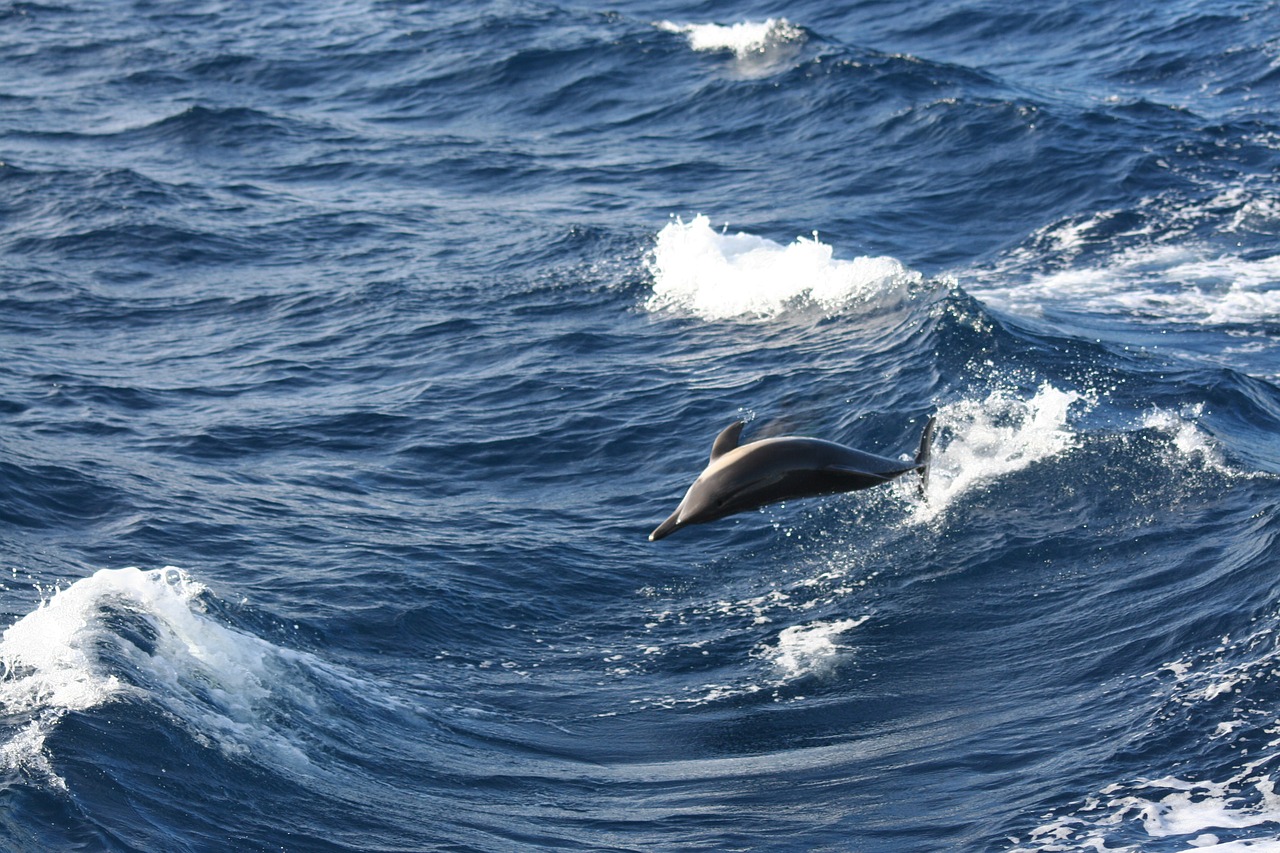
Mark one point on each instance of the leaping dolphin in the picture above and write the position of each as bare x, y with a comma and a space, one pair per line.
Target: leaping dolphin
743, 477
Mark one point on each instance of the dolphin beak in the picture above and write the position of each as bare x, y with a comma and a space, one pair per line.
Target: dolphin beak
666, 528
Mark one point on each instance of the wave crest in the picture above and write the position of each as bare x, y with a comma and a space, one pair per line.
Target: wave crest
745, 39
128, 633
721, 276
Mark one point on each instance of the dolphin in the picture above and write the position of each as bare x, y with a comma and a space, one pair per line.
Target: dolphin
747, 476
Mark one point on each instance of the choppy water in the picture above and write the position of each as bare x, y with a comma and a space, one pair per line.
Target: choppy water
352, 351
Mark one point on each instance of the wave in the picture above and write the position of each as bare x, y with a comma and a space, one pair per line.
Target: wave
1187, 442
722, 276
742, 38
1222, 702
1200, 279
1193, 813
147, 636
984, 439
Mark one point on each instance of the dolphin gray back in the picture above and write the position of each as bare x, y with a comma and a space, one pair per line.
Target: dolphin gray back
742, 477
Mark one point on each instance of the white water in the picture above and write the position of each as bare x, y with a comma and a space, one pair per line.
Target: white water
1158, 284
1187, 441
79, 649
759, 48
720, 276
1191, 814
980, 441
1218, 688
811, 649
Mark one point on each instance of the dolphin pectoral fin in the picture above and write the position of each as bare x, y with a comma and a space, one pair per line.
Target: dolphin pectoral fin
666, 528
727, 439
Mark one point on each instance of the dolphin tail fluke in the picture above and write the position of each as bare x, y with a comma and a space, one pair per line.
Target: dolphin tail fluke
922, 455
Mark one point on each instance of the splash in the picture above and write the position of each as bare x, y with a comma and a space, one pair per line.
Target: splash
1187, 440
991, 438
809, 649
721, 276
144, 635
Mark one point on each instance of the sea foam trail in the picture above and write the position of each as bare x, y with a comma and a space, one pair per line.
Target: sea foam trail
1155, 284
145, 635
721, 276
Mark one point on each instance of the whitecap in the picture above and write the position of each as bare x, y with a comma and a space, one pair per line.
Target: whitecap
1168, 808
1188, 441
766, 45
721, 276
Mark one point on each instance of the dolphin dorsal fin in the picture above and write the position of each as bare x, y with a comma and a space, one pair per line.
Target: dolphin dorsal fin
727, 440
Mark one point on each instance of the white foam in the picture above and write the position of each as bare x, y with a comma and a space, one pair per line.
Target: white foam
743, 39
145, 635
811, 649
1169, 807
1197, 806
991, 438
720, 276
1193, 813
1153, 283
800, 651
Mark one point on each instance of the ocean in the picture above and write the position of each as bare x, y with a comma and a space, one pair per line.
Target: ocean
351, 351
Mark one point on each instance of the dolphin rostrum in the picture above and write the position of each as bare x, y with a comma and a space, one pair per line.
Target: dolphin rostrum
743, 477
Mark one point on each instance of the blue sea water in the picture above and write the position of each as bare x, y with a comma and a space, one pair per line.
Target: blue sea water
352, 350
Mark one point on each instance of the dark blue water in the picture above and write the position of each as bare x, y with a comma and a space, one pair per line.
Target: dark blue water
351, 351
